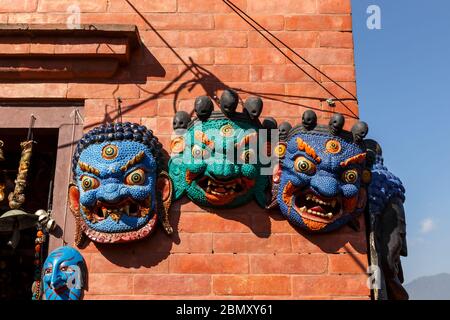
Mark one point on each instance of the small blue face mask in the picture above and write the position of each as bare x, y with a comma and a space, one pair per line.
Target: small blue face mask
64, 273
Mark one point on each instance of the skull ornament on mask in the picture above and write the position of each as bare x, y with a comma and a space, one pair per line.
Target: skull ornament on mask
119, 189
320, 182
64, 275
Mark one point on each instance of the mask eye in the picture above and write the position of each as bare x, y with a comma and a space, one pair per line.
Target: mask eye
350, 176
89, 183
48, 271
305, 166
137, 177
63, 268
199, 153
248, 156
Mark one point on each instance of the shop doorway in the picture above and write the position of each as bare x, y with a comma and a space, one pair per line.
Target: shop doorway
17, 265
57, 128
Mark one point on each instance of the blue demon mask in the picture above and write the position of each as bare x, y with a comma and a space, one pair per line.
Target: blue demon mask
319, 183
119, 190
64, 275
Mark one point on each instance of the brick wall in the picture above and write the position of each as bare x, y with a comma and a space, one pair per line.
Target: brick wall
196, 47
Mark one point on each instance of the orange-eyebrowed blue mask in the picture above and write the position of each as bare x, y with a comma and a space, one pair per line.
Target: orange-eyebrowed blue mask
320, 181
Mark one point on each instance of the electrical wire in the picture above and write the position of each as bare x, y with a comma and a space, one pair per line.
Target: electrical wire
241, 13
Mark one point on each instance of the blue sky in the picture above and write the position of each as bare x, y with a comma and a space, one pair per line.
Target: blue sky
403, 79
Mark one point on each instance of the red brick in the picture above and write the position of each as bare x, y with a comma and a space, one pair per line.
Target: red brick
91, 122
142, 6
102, 91
210, 222
166, 107
235, 22
274, 223
283, 7
181, 21
199, 55
38, 70
288, 263
253, 56
185, 205
195, 39
265, 90
164, 125
158, 297
108, 47
90, 248
367, 297
175, 90
18, 6
321, 56
251, 243
346, 240
64, 5
149, 123
130, 107
118, 283
251, 285
283, 73
33, 90
149, 72
334, 6
208, 6
319, 23
304, 39
45, 18
214, 39
338, 73
10, 45
230, 73
313, 90
113, 18
172, 284
289, 108
42, 47
335, 39
148, 263
193, 243
330, 285
208, 264
348, 263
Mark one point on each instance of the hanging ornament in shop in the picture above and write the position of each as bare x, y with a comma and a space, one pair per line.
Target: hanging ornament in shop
2, 157
17, 197
2, 184
38, 255
16, 219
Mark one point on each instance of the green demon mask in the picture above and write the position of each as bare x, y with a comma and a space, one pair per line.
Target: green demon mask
216, 158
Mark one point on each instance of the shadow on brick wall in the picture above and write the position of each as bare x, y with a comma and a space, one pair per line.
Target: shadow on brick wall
210, 83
